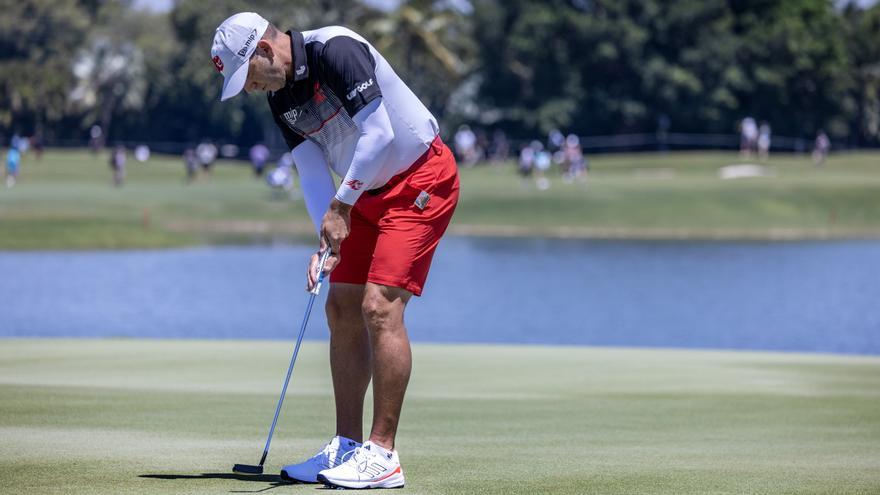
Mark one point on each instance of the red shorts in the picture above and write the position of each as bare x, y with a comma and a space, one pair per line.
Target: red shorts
392, 239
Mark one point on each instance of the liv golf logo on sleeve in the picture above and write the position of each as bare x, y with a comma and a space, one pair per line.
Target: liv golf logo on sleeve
359, 89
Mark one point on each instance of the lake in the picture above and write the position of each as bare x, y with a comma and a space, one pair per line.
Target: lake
796, 296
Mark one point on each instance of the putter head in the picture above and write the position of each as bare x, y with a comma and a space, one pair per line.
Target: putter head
247, 469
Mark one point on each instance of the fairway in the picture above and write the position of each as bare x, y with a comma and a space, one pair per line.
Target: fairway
66, 202
151, 416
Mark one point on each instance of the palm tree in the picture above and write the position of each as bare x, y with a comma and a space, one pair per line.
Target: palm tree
426, 42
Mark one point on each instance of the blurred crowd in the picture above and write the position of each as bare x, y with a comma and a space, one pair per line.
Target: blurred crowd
535, 158
558, 156
756, 139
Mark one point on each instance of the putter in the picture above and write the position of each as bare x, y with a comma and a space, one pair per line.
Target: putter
255, 470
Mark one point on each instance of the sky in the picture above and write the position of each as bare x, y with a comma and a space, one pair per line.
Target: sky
165, 5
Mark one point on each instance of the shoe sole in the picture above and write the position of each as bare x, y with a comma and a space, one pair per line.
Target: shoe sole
290, 479
367, 486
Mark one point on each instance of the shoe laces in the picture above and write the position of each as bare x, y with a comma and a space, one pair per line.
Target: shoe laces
328, 455
360, 457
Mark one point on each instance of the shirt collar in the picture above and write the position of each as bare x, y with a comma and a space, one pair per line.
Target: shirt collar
298, 51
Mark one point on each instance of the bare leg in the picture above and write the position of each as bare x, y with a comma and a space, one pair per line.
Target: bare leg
383, 309
349, 357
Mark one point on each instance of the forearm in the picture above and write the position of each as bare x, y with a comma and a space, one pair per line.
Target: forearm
315, 180
371, 150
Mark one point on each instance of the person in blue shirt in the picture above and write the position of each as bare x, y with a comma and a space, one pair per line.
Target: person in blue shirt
13, 157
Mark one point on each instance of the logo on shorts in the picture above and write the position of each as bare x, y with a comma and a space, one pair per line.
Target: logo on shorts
218, 63
422, 201
354, 184
359, 89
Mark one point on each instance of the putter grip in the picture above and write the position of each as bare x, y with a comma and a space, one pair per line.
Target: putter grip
317, 288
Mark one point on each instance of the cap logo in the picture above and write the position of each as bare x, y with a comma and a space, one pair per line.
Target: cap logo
218, 63
247, 44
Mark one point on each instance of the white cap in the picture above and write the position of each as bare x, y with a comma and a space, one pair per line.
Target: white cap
234, 43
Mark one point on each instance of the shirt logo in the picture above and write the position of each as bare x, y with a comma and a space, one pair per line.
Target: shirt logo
291, 115
247, 43
354, 184
301, 70
359, 89
218, 63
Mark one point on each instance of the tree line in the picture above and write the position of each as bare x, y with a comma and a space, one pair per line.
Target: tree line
592, 67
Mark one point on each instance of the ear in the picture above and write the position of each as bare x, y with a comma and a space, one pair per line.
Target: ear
265, 49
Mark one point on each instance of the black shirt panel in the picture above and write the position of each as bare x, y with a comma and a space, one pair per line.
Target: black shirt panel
349, 70
291, 138
335, 81
285, 103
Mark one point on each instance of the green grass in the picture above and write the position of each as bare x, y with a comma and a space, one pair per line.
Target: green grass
66, 201
146, 416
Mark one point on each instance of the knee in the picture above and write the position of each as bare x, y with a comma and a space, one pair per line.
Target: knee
379, 313
341, 311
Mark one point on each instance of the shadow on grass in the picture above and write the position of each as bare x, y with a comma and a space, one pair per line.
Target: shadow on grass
273, 479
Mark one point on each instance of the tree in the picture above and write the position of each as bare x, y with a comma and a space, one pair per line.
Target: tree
616, 66
793, 54
37, 41
109, 77
428, 43
863, 42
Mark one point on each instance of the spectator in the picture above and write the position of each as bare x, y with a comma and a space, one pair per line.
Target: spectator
500, 146
117, 164
482, 146
466, 145
191, 164
555, 141
281, 179
96, 139
207, 154
13, 156
748, 137
543, 160
821, 148
526, 163
20, 143
259, 155
764, 133
576, 164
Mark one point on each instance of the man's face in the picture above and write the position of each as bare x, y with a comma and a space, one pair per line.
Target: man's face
265, 71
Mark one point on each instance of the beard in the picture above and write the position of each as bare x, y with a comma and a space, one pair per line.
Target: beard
276, 78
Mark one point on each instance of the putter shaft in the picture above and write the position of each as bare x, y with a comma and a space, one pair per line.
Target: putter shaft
302, 330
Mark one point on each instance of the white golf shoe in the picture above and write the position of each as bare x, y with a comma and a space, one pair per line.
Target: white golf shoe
369, 466
331, 455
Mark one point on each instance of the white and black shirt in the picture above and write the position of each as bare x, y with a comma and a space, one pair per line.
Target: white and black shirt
347, 110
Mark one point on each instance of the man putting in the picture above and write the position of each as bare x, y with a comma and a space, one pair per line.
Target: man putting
341, 107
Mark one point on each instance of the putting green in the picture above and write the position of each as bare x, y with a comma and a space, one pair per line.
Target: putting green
147, 416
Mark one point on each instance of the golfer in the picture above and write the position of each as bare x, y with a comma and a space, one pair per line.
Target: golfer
342, 108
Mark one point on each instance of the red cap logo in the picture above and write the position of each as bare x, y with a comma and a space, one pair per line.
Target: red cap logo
218, 63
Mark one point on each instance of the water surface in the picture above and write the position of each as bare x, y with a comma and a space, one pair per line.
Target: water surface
803, 296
